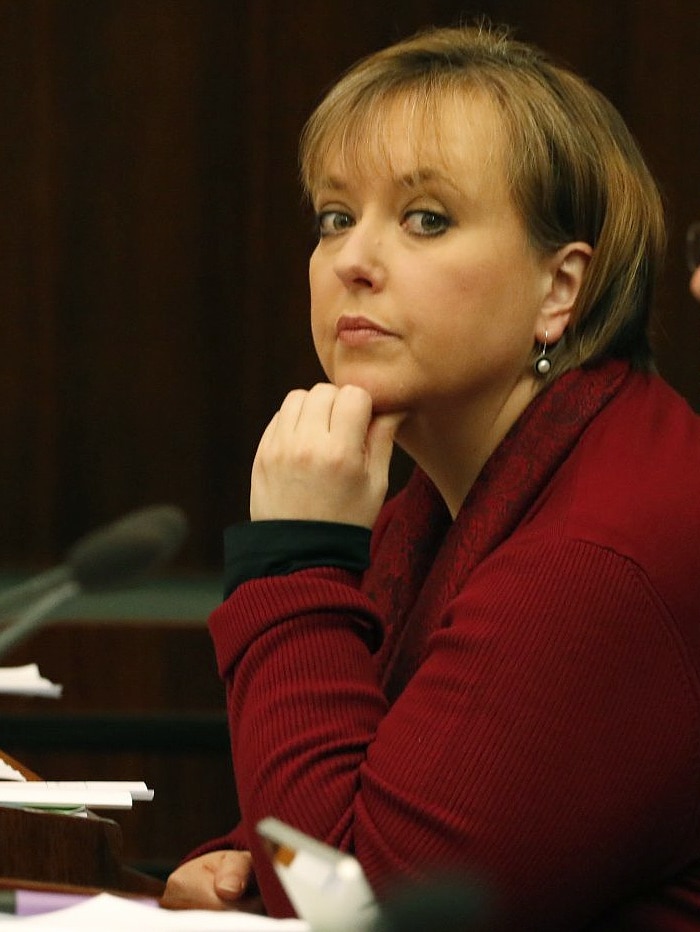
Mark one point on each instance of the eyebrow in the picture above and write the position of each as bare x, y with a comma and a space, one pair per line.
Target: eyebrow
330, 183
424, 175
411, 179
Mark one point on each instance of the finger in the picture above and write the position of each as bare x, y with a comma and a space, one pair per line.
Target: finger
288, 415
269, 431
211, 881
190, 888
380, 439
315, 413
282, 423
231, 876
352, 414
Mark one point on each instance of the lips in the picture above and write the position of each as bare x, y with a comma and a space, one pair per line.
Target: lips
352, 328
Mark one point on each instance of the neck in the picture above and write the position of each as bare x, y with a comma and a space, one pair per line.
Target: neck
452, 443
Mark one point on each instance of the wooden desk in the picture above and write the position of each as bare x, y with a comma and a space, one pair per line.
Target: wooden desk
61, 850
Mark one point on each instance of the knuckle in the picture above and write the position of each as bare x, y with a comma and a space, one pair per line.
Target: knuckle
294, 397
354, 396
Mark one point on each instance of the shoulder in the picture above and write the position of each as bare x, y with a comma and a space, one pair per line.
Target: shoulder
642, 449
648, 409
631, 485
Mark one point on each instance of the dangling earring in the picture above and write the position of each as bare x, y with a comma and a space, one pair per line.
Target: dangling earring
543, 363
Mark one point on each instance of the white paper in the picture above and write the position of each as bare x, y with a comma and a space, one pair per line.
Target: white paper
8, 772
136, 788
108, 913
27, 681
35, 794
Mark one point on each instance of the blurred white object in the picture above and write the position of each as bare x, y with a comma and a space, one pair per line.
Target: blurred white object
27, 681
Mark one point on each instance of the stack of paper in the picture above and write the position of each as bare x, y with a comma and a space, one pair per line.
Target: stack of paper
36, 794
27, 681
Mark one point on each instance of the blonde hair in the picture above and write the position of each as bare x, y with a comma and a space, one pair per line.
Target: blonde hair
575, 172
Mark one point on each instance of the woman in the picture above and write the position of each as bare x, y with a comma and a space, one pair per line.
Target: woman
504, 681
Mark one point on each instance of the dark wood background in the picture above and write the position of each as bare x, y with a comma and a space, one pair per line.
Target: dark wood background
153, 243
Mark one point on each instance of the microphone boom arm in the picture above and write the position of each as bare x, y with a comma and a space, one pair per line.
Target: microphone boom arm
34, 588
30, 619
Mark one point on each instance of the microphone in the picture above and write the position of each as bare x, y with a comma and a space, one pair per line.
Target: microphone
110, 557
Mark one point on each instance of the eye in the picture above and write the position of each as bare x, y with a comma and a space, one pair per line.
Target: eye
332, 222
426, 222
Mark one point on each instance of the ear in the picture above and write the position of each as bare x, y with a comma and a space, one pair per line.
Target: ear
567, 269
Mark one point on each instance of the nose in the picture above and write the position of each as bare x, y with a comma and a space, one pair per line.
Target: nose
360, 260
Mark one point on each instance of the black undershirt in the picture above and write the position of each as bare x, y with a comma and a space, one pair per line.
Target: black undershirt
277, 548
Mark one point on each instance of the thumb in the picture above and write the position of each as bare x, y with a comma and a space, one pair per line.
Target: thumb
380, 439
231, 876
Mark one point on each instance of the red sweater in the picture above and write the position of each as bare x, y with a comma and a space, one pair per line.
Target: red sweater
531, 719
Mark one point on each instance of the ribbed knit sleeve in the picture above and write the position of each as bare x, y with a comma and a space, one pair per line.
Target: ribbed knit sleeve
527, 751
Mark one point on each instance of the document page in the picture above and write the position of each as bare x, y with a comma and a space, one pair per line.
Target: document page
27, 681
39, 794
108, 913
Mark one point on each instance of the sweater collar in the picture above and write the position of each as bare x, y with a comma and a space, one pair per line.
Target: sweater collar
432, 556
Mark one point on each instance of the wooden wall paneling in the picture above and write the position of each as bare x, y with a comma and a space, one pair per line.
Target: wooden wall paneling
28, 322
663, 47
130, 337
260, 346
156, 299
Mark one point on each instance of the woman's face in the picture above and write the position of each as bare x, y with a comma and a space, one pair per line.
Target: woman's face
424, 287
